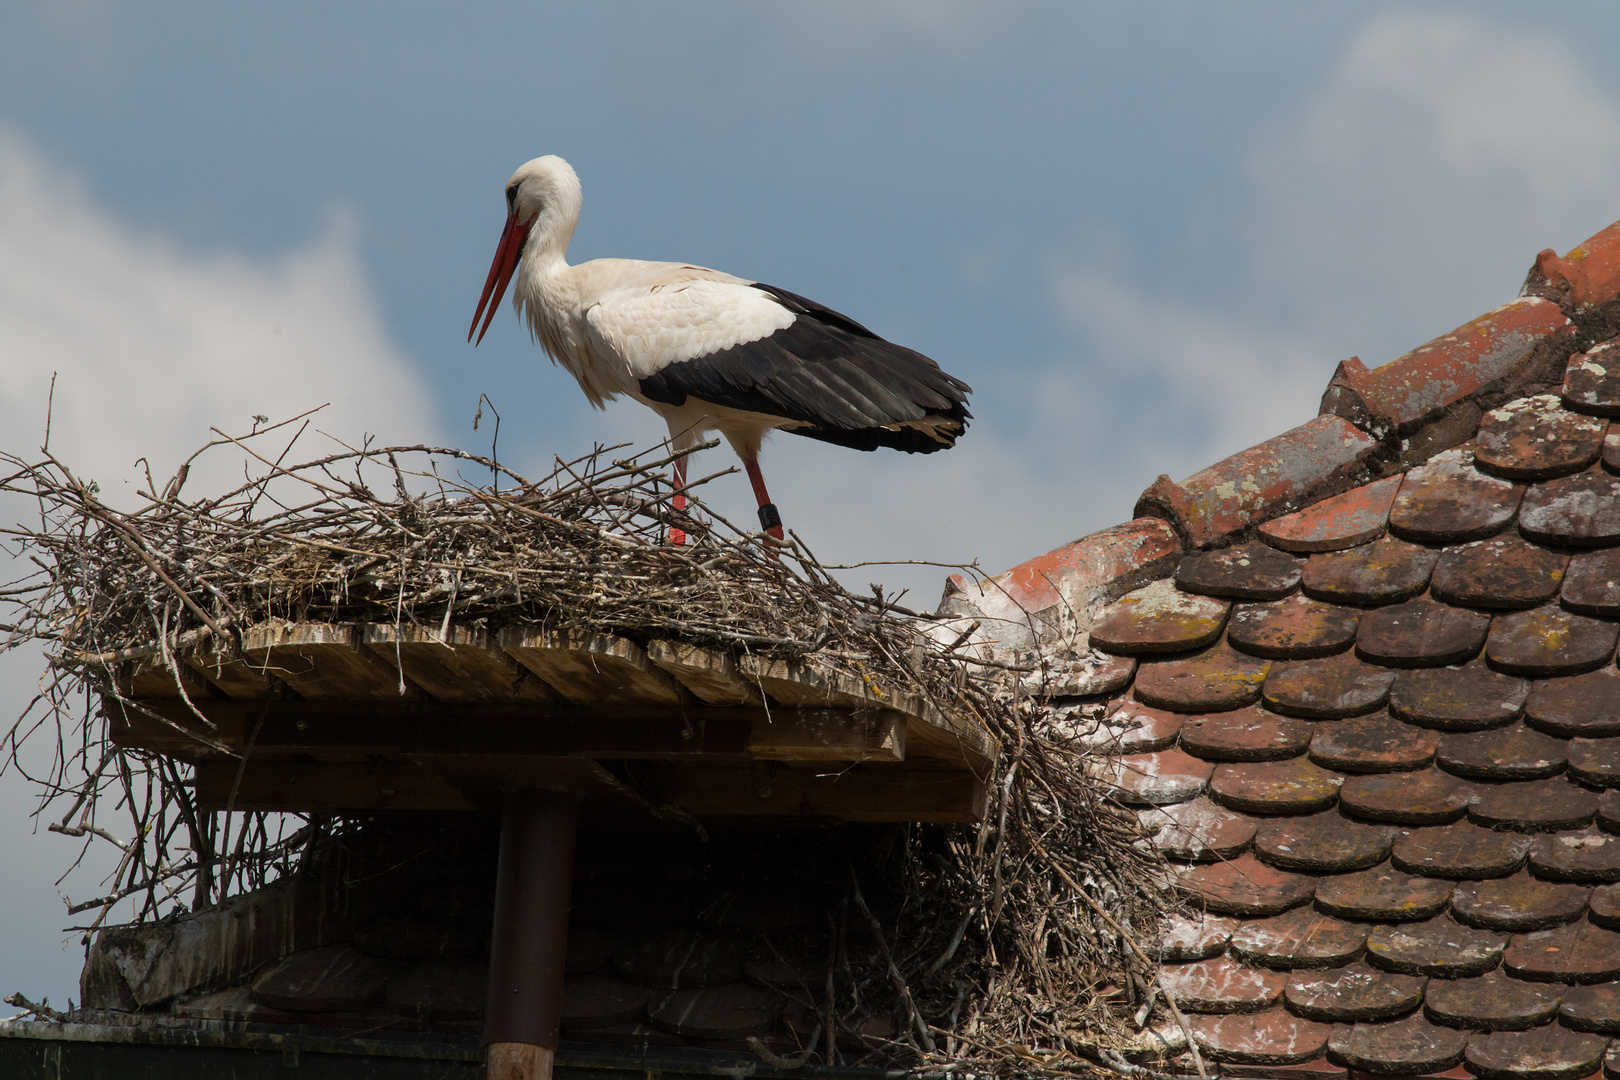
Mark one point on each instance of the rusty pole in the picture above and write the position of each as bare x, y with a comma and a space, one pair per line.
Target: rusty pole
530, 938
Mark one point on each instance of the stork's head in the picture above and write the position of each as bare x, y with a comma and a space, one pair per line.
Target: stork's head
542, 198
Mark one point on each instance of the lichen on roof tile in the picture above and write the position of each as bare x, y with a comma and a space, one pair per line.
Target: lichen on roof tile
1250, 571
1447, 501
1586, 706
1159, 618
1322, 843
1502, 573
1592, 380
1536, 438
1327, 689
1510, 753
1471, 697
1376, 743
1341, 521
1198, 830
1296, 628
1592, 584
1211, 680
1295, 786
1355, 992
1534, 806
1421, 633
1248, 734
1491, 1002
1461, 850
1550, 641
1274, 1037
1386, 571
1519, 902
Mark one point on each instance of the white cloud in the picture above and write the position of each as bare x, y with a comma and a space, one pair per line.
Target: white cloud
151, 345
1409, 194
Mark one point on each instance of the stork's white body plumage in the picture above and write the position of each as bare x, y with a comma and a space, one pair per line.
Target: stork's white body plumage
706, 350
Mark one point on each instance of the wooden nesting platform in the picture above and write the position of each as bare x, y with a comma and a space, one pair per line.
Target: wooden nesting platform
330, 717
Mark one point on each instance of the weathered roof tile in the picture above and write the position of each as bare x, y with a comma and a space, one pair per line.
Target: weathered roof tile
1589, 856
1249, 734
1157, 778
1467, 698
1383, 893
1595, 761
1250, 571
1274, 478
1423, 797
1591, 271
1518, 903
1592, 1008
1421, 633
1273, 1037
1194, 936
1510, 753
1411, 1046
1549, 1052
1327, 689
1586, 706
1300, 938
1442, 947
1386, 571
1574, 953
1159, 618
1372, 744
1535, 438
1503, 573
1534, 806
1491, 1002
1340, 521
1550, 641
1459, 850
1592, 380
1448, 501
1577, 511
1297, 628
1355, 992
1322, 843
1128, 727
1295, 786
1592, 583
1198, 830
1245, 886
1214, 679
1222, 985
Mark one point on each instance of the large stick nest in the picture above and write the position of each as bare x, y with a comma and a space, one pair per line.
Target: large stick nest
1011, 945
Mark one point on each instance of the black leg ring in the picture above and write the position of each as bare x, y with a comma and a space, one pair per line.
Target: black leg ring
768, 517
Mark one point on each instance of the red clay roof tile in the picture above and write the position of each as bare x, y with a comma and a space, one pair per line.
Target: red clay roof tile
1447, 501
1421, 633
1296, 786
1159, 618
1536, 438
1222, 985
1413, 1045
1459, 850
1503, 573
1156, 779
1386, 571
1249, 734
1586, 705
1212, 680
1491, 1002
1574, 511
1549, 1052
1422, 384
1341, 521
1467, 698
1327, 689
1193, 936
1535, 806
1589, 856
1282, 474
1297, 628
1274, 1037
1198, 830
1575, 953
1591, 270
1441, 947
1245, 886
1423, 797
1250, 571
1592, 1008
1375, 743
1510, 753
1595, 761
1354, 992
1592, 380
1592, 583
1300, 938
1518, 903
1550, 641
1384, 894
1323, 843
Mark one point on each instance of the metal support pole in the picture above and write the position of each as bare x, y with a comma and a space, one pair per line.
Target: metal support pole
530, 938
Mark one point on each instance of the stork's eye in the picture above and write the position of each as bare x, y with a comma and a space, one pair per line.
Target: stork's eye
511, 196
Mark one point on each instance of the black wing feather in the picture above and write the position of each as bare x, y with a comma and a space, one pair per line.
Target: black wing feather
828, 373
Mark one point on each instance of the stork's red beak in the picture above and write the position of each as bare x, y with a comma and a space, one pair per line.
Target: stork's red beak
500, 273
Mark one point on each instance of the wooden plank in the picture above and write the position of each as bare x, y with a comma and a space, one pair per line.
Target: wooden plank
861, 793
319, 660
318, 787
711, 676
595, 668
234, 675
131, 728
829, 735
148, 678
467, 665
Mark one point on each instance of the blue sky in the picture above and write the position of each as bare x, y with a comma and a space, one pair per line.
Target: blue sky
1144, 232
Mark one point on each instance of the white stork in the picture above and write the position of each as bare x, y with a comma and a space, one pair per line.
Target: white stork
708, 351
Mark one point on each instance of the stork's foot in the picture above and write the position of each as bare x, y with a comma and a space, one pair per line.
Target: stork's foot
677, 537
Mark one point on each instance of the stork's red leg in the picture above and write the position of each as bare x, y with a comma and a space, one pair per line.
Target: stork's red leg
769, 519
678, 536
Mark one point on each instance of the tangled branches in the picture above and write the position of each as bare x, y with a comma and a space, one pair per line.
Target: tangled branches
1005, 947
